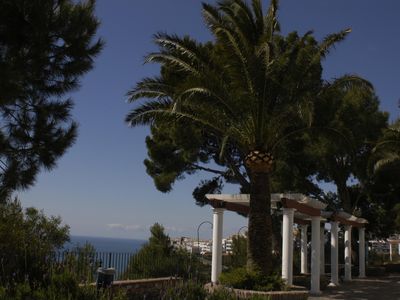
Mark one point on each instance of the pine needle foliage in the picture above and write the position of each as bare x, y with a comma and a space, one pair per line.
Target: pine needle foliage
45, 48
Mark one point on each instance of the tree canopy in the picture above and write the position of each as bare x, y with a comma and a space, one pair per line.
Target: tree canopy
33, 239
381, 203
45, 48
232, 106
158, 258
353, 112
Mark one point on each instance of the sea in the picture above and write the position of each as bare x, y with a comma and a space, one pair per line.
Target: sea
105, 244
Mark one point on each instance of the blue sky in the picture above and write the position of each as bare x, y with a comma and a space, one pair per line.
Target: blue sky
100, 186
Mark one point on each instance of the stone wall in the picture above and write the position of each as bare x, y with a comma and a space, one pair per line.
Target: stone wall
149, 287
276, 295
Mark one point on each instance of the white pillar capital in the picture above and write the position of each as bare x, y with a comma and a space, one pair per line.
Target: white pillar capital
315, 255
347, 252
288, 211
287, 245
218, 210
216, 260
361, 251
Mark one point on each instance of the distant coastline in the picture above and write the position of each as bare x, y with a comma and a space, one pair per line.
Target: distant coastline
106, 244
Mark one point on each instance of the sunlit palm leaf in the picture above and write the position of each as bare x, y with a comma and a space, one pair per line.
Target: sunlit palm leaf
388, 160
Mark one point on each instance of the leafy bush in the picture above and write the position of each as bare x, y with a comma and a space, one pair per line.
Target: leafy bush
80, 261
239, 251
158, 258
26, 249
377, 259
62, 288
188, 290
30, 268
241, 278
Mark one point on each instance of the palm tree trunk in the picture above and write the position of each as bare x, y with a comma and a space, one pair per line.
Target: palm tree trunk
259, 252
344, 195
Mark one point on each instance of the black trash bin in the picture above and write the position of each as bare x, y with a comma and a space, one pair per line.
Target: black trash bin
105, 277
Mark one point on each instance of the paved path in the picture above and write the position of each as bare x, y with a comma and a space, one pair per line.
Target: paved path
382, 288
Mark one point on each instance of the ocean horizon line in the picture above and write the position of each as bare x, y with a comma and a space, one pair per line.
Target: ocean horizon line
105, 244
105, 237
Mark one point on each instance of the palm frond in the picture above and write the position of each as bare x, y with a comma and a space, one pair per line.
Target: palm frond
265, 52
330, 41
223, 32
224, 143
388, 160
271, 24
349, 81
203, 91
245, 19
258, 15
166, 58
385, 143
186, 47
154, 87
150, 112
212, 16
244, 29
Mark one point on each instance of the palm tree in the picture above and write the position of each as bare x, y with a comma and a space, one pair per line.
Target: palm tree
386, 153
251, 89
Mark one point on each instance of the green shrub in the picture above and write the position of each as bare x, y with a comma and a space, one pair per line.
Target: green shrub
241, 278
377, 259
239, 251
188, 290
25, 250
64, 284
62, 290
158, 258
221, 294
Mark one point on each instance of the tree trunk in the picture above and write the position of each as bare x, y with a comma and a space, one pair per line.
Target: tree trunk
259, 254
344, 196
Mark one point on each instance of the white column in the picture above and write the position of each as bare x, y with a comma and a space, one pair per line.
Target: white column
322, 251
304, 249
361, 252
347, 253
216, 261
334, 254
391, 251
287, 245
315, 259
398, 248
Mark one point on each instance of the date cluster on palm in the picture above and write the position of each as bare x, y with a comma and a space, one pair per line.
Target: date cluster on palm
259, 161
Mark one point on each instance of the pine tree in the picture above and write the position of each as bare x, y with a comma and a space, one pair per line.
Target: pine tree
45, 48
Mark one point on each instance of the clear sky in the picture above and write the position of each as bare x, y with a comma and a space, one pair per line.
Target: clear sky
100, 187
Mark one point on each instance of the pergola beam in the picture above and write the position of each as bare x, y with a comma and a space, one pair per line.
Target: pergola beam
300, 207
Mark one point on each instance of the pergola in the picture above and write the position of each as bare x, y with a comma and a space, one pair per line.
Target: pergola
304, 211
